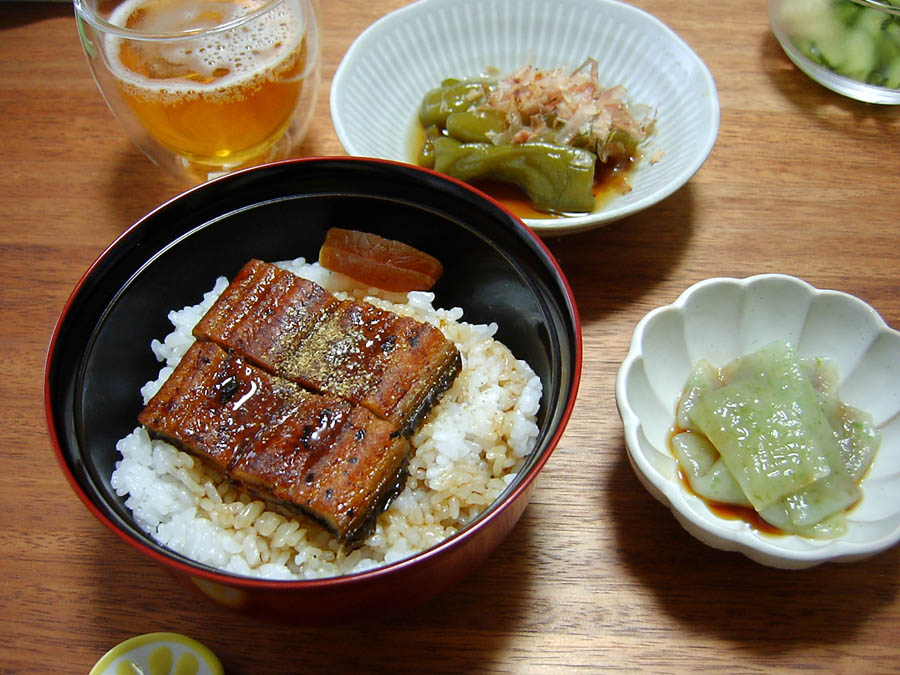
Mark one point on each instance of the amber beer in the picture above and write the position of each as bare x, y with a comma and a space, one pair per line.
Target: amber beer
221, 98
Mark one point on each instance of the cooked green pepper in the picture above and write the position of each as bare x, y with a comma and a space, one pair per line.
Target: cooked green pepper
426, 154
474, 127
452, 96
464, 126
556, 178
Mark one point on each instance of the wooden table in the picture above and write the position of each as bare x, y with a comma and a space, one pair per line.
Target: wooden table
597, 574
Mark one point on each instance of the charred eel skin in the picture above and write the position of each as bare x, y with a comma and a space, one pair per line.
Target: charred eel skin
305, 401
393, 365
302, 452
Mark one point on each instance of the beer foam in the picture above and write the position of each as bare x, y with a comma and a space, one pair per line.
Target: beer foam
210, 63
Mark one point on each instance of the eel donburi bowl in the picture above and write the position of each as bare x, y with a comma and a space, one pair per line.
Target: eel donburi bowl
495, 269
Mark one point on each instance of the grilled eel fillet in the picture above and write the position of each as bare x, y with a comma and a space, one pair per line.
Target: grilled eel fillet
304, 400
395, 366
301, 452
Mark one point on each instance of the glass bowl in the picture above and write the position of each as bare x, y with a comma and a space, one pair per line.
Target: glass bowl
852, 47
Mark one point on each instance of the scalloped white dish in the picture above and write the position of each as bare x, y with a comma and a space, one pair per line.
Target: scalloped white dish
721, 319
380, 83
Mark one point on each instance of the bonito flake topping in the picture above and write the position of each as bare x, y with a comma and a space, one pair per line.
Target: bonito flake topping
568, 108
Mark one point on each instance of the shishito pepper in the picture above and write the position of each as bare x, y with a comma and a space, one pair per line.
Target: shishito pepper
452, 96
556, 178
474, 127
465, 127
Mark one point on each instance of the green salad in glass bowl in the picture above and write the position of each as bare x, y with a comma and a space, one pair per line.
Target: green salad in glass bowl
849, 46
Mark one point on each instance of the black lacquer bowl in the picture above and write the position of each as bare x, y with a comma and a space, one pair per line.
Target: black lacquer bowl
496, 269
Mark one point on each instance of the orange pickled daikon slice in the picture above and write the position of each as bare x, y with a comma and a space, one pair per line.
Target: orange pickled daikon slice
375, 261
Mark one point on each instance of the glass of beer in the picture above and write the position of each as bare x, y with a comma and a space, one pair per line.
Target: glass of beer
204, 87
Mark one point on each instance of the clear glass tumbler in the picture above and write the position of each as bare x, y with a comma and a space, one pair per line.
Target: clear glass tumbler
204, 87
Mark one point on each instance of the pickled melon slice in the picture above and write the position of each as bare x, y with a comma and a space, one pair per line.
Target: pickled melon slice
705, 469
832, 494
856, 432
774, 415
704, 378
830, 527
768, 425
375, 261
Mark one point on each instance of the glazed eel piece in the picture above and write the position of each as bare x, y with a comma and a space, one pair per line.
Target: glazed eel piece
395, 366
321, 456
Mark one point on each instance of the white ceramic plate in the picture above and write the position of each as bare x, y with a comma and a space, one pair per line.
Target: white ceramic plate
379, 85
721, 319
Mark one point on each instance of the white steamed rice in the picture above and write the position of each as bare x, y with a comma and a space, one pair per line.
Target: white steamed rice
468, 450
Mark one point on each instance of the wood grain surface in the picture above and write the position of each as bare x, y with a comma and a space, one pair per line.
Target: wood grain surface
597, 575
